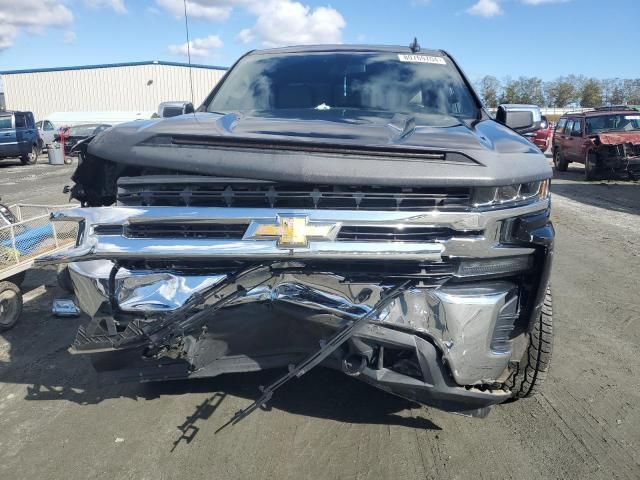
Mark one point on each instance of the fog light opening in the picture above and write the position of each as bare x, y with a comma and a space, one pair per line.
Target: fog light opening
493, 266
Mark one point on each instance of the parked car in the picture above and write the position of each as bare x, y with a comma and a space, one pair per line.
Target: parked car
77, 133
349, 206
173, 109
605, 140
542, 137
47, 133
19, 137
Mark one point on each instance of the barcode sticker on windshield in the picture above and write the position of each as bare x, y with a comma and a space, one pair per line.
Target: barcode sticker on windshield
421, 59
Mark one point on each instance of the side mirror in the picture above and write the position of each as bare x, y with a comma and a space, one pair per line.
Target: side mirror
188, 108
521, 118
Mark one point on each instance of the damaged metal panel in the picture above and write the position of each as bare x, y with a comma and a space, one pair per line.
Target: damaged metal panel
470, 324
618, 138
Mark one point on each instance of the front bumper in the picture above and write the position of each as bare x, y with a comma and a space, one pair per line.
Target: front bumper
448, 341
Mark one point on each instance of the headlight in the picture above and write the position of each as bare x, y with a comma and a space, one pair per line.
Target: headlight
511, 194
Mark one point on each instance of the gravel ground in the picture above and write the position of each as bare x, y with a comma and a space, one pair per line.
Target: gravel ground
57, 422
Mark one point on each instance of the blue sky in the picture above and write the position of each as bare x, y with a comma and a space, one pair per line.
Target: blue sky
497, 37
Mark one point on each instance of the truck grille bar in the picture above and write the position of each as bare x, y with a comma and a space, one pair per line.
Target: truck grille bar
234, 193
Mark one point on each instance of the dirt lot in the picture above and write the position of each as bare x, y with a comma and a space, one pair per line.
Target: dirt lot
57, 422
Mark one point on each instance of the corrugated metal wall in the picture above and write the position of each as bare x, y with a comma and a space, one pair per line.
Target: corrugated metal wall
125, 88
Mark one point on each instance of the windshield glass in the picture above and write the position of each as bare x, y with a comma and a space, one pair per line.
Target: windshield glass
385, 82
615, 122
82, 130
5, 122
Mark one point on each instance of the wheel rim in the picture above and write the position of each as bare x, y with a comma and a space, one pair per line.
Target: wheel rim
32, 155
9, 307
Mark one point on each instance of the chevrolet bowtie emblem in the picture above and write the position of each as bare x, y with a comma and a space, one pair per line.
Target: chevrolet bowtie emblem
291, 231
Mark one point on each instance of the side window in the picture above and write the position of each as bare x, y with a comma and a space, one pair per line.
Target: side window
560, 126
568, 127
577, 129
5, 122
21, 120
39, 125
48, 125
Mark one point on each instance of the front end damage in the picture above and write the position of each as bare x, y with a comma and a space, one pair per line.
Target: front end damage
440, 316
618, 153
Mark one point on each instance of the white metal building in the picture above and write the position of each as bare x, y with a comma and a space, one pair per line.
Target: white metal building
137, 86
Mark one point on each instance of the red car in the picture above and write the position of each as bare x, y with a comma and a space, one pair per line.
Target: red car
542, 137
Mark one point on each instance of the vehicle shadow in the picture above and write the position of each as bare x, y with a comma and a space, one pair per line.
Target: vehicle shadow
15, 161
38, 358
11, 162
322, 393
609, 193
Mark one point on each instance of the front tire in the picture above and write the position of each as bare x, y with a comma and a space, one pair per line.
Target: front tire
532, 370
30, 158
590, 167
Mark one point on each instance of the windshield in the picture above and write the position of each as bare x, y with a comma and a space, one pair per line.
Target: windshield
83, 130
621, 122
386, 82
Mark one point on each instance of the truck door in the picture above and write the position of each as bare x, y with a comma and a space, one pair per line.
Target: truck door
565, 144
8, 140
49, 132
26, 132
575, 142
558, 132
46, 130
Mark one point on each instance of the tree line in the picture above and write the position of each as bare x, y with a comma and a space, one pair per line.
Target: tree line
567, 91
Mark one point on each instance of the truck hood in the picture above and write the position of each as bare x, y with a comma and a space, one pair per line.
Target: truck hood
337, 146
616, 138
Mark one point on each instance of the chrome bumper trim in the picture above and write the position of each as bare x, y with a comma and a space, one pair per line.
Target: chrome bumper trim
92, 246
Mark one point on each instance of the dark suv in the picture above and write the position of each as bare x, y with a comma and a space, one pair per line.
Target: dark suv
19, 137
605, 140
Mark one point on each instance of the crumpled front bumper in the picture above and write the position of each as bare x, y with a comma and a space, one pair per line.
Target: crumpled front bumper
171, 309
440, 343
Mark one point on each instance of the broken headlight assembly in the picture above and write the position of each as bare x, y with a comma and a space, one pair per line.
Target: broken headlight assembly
511, 195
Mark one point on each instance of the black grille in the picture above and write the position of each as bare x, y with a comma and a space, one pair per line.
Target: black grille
394, 234
221, 231
107, 229
176, 230
247, 194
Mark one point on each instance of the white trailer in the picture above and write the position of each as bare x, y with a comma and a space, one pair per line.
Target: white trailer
68, 119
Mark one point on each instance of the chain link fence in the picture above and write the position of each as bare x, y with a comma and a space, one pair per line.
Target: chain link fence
31, 234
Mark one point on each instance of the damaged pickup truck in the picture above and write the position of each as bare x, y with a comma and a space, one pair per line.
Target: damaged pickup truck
350, 207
